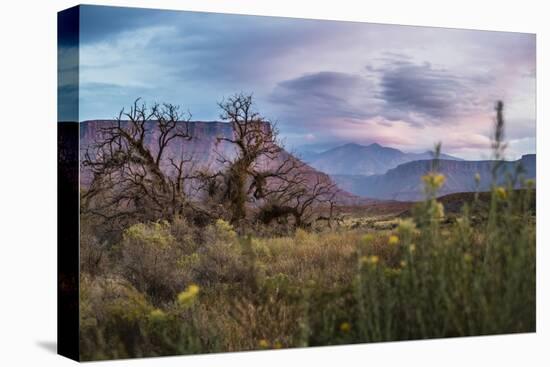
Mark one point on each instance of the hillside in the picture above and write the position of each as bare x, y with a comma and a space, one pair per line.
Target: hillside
356, 159
404, 182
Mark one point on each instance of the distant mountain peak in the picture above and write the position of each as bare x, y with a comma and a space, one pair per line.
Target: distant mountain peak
350, 145
356, 159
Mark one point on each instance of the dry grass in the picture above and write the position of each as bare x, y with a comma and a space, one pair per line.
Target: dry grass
386, 279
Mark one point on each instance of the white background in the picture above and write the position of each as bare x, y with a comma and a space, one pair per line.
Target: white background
28, 182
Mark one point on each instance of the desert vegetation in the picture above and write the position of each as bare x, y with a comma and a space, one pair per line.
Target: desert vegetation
257, 252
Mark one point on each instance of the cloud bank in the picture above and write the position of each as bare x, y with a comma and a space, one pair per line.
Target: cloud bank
324, 82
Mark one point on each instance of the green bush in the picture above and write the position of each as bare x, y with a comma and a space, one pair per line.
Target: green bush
149, 258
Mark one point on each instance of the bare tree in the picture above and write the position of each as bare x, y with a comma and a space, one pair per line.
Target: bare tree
263, 174
135, 173
255, 141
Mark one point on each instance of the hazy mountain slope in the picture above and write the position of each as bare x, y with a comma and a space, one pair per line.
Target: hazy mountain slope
356, 159
404, 181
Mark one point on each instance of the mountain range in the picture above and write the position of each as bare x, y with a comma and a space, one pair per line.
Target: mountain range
360, 159
364, 173
404, 182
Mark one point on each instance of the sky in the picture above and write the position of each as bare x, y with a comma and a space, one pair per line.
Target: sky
324, 83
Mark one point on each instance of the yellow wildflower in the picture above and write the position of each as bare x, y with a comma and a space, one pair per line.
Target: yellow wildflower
434, 180
393, 240
367, 238
345, 327
370, 260
407, 226
193, 289
501, 193
263, 343
187, 296
157, 315
439, 180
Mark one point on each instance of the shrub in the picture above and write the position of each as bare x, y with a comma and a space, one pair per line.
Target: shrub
149, 260
219, 263
117, 321
111, 315
94, 253
457, 281
185, 234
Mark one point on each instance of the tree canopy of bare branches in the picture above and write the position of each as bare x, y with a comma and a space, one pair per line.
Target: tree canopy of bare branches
133, 174
262, 172
302, 195
255, 139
